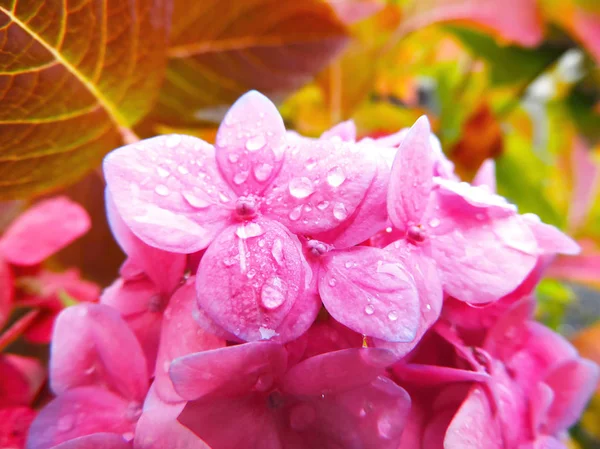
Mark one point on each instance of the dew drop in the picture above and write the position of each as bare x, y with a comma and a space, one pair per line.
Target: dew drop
339, 211
332, 282
173, 140
162, 172
266, 333
161, 190
183, 170
295, 213
271, 295
66, 423
262, 172
336, 177
310, 164
369, 309
256, 143
128, 436
428, 306
434, 222
251, 273
240, 177
393, 315
233, 157
388, 229
348, 264
194, 201
277, 251
224, 198
249, 230
301, 187
323, 205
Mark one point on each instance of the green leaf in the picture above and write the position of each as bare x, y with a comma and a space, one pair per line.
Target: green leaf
508, 64
72, 75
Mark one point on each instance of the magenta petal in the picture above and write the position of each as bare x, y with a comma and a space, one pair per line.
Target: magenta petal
474, 425
163, 268
79, 412
540, 400
92, 345
411, 177
320, 185
251, 144
249, 422
336, 371
573, 384
7, 292
180, 336
43, 230
486, 175
169, 192
250, 278
96, 441
544, 442
370, 291
21, 378
227, 371
550, 239
131, 297
345, 131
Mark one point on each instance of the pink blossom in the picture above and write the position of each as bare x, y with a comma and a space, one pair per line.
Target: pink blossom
100, 378
246, 202
338, 399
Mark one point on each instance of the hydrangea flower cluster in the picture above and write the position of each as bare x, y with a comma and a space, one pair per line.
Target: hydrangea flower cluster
287, 292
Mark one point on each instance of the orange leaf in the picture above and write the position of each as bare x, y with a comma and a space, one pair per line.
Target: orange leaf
217, 53
72, 74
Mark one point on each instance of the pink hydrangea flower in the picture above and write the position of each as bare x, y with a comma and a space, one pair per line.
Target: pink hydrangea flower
246, 201
337, 399
99, 373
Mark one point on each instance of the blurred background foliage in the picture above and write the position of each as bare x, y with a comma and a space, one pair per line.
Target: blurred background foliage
513, 80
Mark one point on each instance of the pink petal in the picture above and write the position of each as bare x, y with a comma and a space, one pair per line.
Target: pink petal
336, 371
510, 329
7, 292
228, 371
474, 426
20, 379
550, 239
92, 345
425, 274
79, 412
345, 131
411, 177
180, 336
43, 230
96, 441
158, 427
586, 181
169, 192
573, 384
544, 442
250, 278
251, 144
540, 400
370, 291
480, 258
486, 175
250, 423
14, 424
163, 268
370, 215
321, 184
329, 335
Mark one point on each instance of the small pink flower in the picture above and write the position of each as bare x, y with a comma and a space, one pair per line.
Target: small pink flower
99, 374
246, 200
338, 399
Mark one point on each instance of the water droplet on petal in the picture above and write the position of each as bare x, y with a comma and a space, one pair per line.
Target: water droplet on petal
389, 425
240, 177
336, 177
183, 170
332, 282
301, 187
66, 423
262, 172
161, 190
388, 229
434, 222
233, 157
173, 140
310, 164
295, 213
339, 211
369, 309
264, 382
323, 205
248, 230
251, 273
266, 333
348, 264
393, 315
277, 251
162, 172
128, 436
224, 198
195, 201
256, 143
271, 295
428, 306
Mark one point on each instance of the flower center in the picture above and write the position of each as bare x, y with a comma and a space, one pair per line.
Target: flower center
246, 207
156, 303
317, 248
416, 234
275, 400
134, 411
